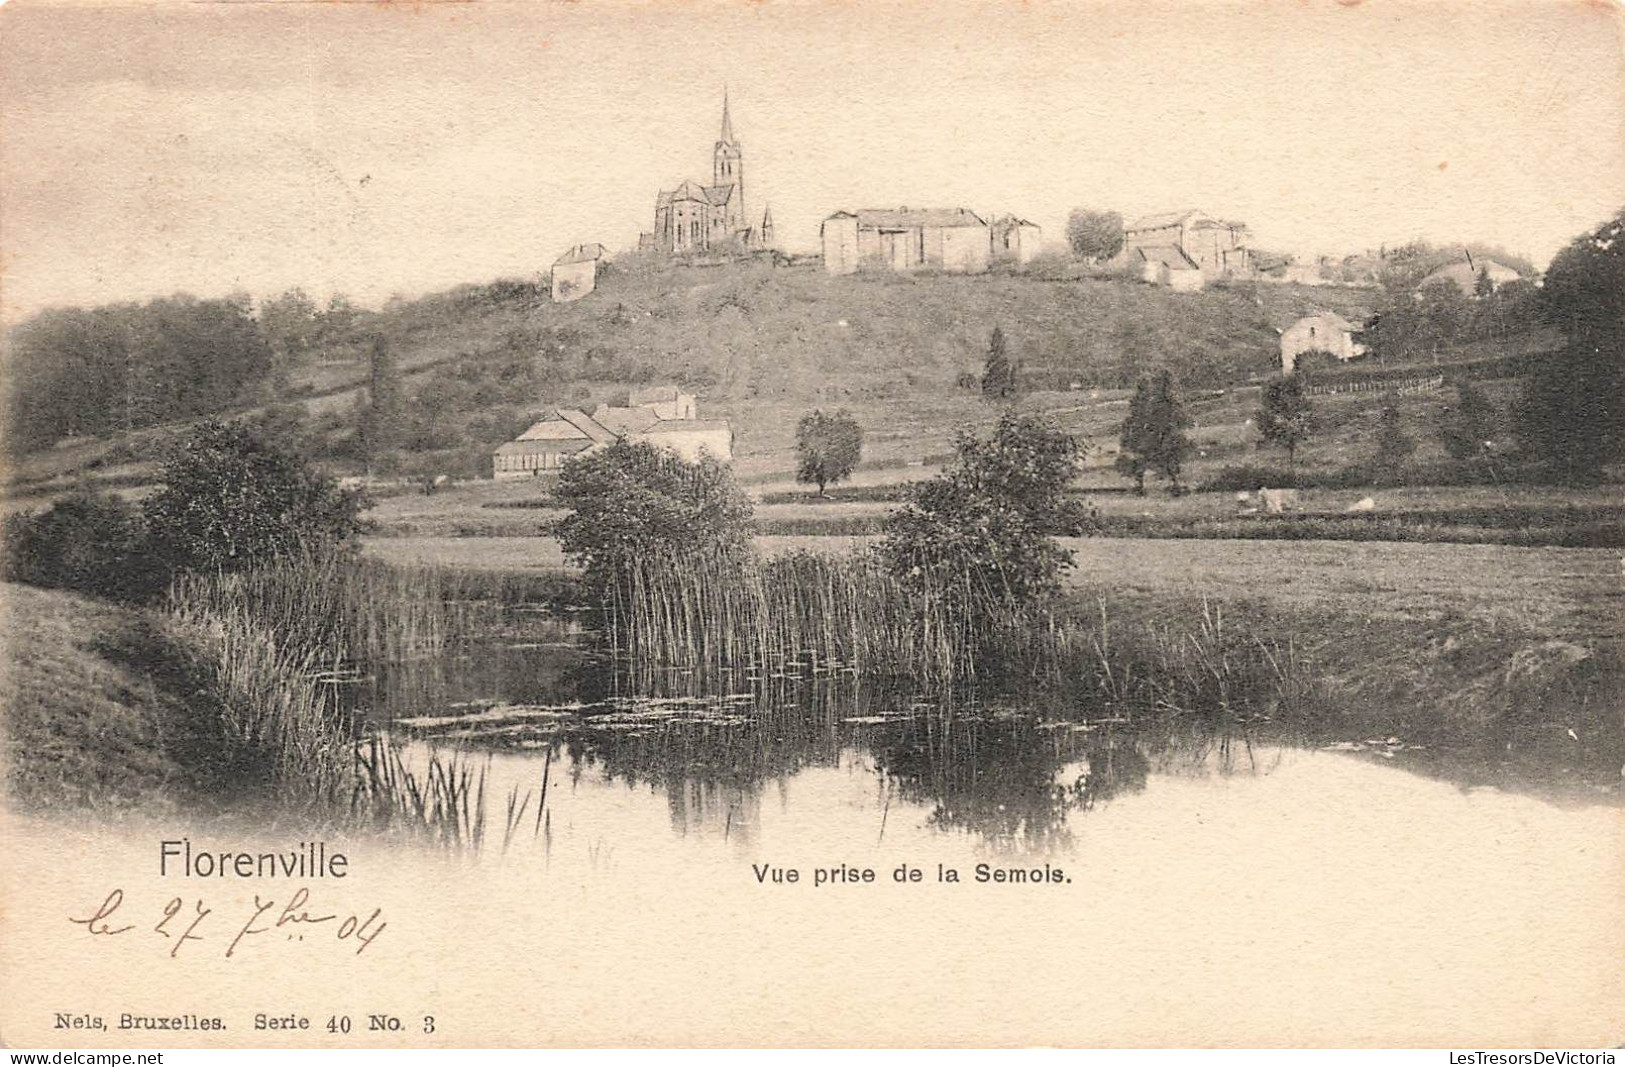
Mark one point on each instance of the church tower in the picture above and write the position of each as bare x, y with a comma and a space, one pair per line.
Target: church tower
728, 168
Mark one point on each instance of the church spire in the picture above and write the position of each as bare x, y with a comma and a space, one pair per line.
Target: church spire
727, 123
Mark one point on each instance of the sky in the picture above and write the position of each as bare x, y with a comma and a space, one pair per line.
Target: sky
397, 147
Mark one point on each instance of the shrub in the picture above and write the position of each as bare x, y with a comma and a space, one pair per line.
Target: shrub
632, 501
230, 500
89, 543
988, 521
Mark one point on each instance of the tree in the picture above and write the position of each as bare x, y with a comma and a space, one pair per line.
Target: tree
633, 502
1393, 445
231, 500
1571, 416
982, 532
1285, 416
380, 418
999, 372
828, 447
1094, 235
290, 325
1153, 437
1482, 285
1466, 428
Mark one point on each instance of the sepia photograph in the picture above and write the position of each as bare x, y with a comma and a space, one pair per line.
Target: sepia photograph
788, 523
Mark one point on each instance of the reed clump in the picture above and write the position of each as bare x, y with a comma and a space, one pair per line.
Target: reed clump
709, 612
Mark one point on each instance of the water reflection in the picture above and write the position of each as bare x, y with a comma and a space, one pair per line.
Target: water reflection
1014, 775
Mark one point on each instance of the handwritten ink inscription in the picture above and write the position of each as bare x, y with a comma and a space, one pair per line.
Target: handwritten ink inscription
183, 922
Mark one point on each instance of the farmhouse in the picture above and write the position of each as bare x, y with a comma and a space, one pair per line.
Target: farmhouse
664, 416
1015, 240
901, 239
1324, 331
1166, 265
575, 273
1216, 248
1465, 274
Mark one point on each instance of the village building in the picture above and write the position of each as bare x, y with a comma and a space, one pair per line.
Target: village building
1166, 265
1160, 247
701, 217
1465, 274
902, 239
1015, 240
664, 416
575, 274
1323, 331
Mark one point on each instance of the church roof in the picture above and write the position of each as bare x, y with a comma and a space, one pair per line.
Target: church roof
727, 123
719, 194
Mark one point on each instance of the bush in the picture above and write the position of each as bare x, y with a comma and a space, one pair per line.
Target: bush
89, 543
231, 500
632, 502
985, 526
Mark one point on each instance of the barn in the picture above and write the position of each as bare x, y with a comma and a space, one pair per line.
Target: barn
904, 239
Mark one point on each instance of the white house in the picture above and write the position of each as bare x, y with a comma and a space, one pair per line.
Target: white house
1324, 331
666, 419
1015, 240
575, 274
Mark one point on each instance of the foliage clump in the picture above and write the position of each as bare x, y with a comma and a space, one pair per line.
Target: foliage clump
632, 503
828, 448
983, 530
1153, 439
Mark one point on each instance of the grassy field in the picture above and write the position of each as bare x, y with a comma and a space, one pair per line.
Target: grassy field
108, 707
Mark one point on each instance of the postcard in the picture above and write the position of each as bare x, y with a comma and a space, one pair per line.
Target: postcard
810, 524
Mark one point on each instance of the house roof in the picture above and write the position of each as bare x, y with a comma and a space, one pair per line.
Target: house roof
911, 218
624, 420
587, 425
654, 394
1465, 274
1161, 220
523, 447
1170, 256
686, 426
553, 429
582, 254
1331, 318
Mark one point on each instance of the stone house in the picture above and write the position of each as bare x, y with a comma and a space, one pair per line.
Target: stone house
1166, 265
664, 416
575, 274
1215, 247
1323, 331
1015, 240
903, 239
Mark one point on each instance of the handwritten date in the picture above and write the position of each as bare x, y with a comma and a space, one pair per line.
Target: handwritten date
269, 920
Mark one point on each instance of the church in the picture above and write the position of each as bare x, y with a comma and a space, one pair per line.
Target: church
700, 217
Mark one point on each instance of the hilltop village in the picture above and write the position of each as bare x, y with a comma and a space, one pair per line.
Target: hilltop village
713, 222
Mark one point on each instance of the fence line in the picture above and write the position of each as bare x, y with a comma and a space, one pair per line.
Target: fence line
1402, 386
